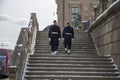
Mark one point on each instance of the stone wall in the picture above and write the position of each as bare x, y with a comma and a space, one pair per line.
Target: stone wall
105, 31
20, 53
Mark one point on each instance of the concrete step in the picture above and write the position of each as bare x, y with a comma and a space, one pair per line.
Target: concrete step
74, 42
71, 73
70, 77
61, 43
71, 69
72, 52
70, 62
62, 47
75, 39
70, 58
77, 35
71, 65
73, 45
63, 53
79, 56
73, 48
59, 53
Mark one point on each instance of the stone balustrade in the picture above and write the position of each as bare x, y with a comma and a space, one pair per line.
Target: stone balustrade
106, 30
24, 46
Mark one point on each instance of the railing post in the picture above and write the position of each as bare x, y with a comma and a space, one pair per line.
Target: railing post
12, 72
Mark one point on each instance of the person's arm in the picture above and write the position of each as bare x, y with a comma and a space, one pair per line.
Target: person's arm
49, 33
63, 34
59, 32
72, 33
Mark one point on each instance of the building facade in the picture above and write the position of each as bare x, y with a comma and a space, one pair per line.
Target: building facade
67, 10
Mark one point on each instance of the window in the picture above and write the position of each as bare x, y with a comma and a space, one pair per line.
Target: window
75, 12
2, 52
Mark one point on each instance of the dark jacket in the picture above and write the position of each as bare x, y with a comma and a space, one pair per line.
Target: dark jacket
54, 32
68, 33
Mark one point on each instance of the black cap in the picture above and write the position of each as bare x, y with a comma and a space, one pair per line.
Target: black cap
54, 21
68, 23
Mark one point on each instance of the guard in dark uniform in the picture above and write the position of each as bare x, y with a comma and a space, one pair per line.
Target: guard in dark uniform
54, 36
68, 36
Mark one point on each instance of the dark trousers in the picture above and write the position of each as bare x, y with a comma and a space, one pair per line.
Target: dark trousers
67, 44
54, 44
54, 47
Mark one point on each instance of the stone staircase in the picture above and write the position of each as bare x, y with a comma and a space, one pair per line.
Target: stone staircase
83, 63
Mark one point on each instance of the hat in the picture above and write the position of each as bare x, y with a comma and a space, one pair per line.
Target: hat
54, 21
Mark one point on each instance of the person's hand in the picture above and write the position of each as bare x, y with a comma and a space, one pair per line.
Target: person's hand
59, 39
72, 40
62, 39
49, 39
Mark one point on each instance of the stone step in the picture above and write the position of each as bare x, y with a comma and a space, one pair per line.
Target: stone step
71, 69
75, 40
64, 54
71, 65
70, 77
79, 56
73, 44
70, 58
62, 49
62, 46
70, 62
78, 44
81, 44
71, 73
76, 35
72, 52
73, 48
